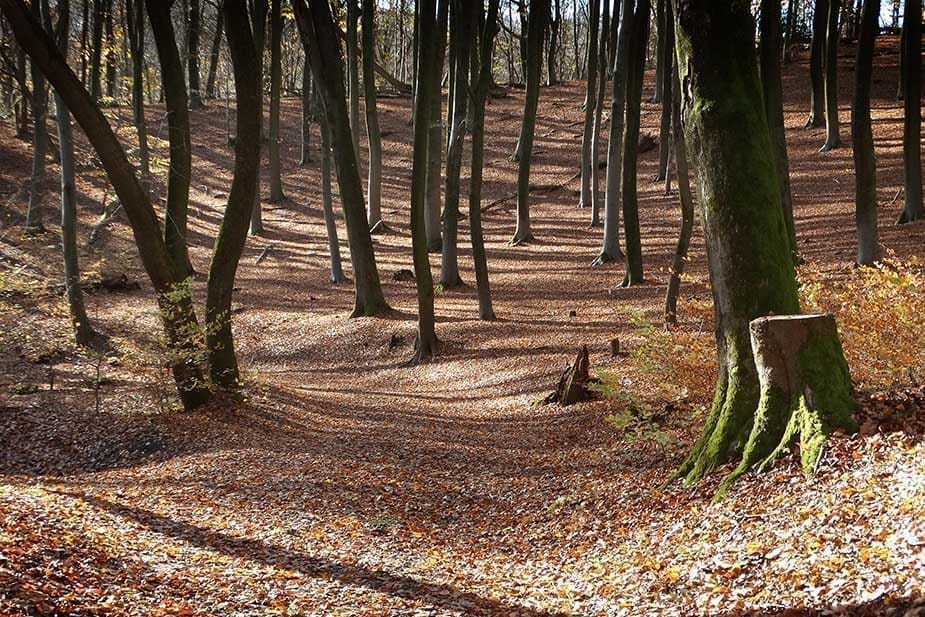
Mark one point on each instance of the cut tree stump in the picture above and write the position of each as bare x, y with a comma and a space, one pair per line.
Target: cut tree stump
806, 391
573, 384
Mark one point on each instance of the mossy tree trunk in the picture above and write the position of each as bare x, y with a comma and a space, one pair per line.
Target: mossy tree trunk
232, 234
320, 40
480, 76
536, 27
769, 56
276, 77
862, 139
636, 58
817, 64
594, 11
178, 129
374, 182
832, 135
751, 270
912, 107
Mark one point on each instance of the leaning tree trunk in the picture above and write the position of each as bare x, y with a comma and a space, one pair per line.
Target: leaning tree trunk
178, 128
232, 234
912, 107
170, 284
536, 25
862, 139
684, 197
481, 76
832, 136
817, 64
330, 225
276, 78
428, 83
751, 270
636, 59
374, 183
319, 38
192, 58
594, 8
774, 108
136, 32
604, 38
610, 251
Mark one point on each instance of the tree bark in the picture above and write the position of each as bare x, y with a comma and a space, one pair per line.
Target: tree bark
685, 199
276, 77
862, 139
435, 148
319, 38
259, 10
832, 136
603, 39
330, 225
374, 138
817, 64
353, 72
912, 117
584, 199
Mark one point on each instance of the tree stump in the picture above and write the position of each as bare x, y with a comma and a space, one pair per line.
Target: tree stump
806, 388
573, 384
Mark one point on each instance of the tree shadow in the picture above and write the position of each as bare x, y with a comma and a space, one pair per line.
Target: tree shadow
881, 607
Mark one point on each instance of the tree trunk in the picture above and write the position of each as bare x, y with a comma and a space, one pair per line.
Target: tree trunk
665, 84
136, 33
353, 72
772, 89
792, 10
195, 96
307, 97
660, 44
170, 283
862, 139
603, 39
178, 131
35, 215
684, 197
636, 59
214, 53
912, 107
96, 50
259, 10
536, 26
427, 87
319, 38
232, 234
374, 182
435, 148
337, 269
276, 77
832, 136
584, 199
751, 271
610, 251
817, 64
481, 77
552, 67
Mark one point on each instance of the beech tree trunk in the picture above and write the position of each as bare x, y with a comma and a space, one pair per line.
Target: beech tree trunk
320, 40
604, 38
35, 215
536, 26
665, 84
374, 182
832, 135
661, 43
594, 8
817, 64
353, 72
330, 225
862, 140
173, 292
552, 65
214, 52
258, 16
195, 96
136, 33
751, 271
685, 198
435, 148
912, 107
276, 77
307, 97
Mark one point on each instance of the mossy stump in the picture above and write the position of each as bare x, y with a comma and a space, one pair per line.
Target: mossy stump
805, 389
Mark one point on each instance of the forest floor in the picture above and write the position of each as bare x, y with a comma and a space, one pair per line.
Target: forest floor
347, 485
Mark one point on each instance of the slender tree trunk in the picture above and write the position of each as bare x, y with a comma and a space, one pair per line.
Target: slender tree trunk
666, 31
427, 88
594, 20
374, 182
195, 95
684, 197
481, 76
232, 234
772, 89
461, 30
536, 26
832, 135
552, 66
215, 53
110, 51
353, 72
862, 139
178, 123
96, 49
276, 77
337, 269
912, 107
84, 31
259, 10
792, 9
817, 65
610, 251
319, 38
636, 59
660, 44
307, 97
603, 39
35, 216
435, 149
136, 32
170, 283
